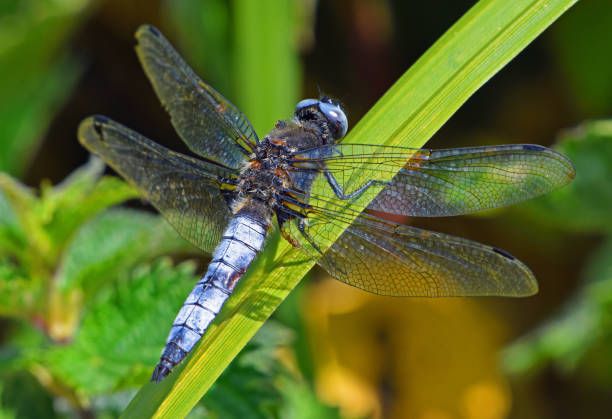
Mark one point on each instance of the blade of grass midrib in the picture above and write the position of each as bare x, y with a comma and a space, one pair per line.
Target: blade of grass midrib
408, 115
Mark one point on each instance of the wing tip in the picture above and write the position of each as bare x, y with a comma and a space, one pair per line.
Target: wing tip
568, 165
569, 169
526, 284
90, 129
147, 29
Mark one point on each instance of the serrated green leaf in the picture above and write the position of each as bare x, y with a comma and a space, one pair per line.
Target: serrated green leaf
121, 336
12, 240
584, 205
421, 101
36, 230
17, 292
111, 244
21, 229
260, 356
24, 339
78, 198
123, 331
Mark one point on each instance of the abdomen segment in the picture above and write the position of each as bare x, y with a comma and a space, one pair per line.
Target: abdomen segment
241, 242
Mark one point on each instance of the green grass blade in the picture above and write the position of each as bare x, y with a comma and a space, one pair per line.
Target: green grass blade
265, 61
420, 102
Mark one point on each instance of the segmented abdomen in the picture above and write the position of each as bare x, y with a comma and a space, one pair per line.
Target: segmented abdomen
241, 241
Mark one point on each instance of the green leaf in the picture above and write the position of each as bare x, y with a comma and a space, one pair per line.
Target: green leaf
203, 32
111, 244
17, 291
122, 332
85, 193
39, 228
266, 60
586, 204
24, 339
421, 101
258, 384
249, 388
12, 239
35, 77
22, 396
18, 226
584, 324
302, 402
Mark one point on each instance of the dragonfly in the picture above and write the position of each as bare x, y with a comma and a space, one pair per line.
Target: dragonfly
304, 180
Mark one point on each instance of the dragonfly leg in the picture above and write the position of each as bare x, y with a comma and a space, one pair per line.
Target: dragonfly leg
302, 229
284, 214
331, 179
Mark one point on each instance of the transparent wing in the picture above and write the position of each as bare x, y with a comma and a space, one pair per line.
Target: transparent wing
185, 190
433, 183
386, 258
207, 122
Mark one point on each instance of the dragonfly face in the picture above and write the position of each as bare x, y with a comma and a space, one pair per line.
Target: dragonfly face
269, 178
326, 108
301, 173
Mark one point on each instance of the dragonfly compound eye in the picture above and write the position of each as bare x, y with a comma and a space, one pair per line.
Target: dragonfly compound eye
305, 103
336, 116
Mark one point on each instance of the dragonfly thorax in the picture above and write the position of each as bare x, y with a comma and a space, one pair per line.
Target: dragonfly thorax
265, 174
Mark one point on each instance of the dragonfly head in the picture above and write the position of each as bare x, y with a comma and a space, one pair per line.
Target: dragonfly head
327, 108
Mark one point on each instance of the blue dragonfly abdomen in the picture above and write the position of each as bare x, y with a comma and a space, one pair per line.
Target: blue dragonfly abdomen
242, 240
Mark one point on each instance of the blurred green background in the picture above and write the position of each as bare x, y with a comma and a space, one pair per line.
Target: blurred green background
85, 287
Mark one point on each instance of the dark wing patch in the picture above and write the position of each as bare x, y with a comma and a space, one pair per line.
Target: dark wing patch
185, 190
207, 122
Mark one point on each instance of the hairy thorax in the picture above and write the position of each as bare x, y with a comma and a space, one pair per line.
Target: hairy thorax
265, 177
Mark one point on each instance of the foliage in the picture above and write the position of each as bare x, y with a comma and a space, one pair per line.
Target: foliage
470, 53
581, 333
90, 299
266, 67
589, 147
82, 284
36, 75
35, 234
58, 252
203, 32
261, 63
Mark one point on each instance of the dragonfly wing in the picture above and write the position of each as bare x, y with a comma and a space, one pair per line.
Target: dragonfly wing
466, 180
207, 122
185, 190
398, 260
434, 183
